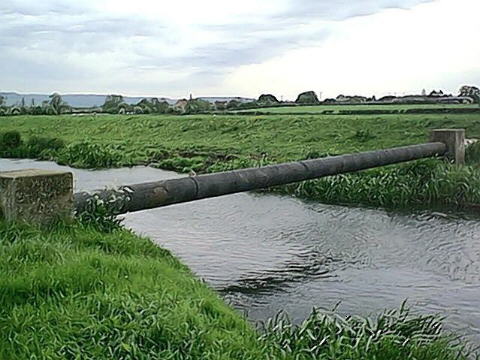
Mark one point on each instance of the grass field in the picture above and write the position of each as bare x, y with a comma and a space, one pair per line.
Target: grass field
334, 108
209, 143
279, 138
72, 292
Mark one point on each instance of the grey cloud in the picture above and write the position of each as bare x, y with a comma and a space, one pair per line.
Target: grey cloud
73, 33
256, 50
30, 32
36, 8
343, 9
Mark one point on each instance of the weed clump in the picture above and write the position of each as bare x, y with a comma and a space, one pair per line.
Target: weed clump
10, 140
394, 334
86, 154
12, 145
38, 146
472, 154
418, 184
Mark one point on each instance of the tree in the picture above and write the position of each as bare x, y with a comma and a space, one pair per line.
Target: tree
220, 105
471, 91
266, 99
2, 100
112, 103
153, 105
145, 105
57, 103
307, 97
233, 104
197, 106
160, 107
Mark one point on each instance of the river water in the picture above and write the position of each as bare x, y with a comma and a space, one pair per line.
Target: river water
266, 253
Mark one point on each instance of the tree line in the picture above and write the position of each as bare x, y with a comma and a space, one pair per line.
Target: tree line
115, 104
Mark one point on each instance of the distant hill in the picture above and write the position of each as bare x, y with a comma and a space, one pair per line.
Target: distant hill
91, 100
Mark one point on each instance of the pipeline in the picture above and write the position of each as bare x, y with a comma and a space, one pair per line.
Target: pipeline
150, 195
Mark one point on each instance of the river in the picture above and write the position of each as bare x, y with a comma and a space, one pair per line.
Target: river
266, 253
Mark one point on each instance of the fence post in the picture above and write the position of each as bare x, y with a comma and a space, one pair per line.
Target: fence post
36, 196
454, 139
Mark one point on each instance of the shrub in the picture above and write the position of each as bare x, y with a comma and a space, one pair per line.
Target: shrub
101, 214
38, 145
472, 154
10, 140
89, 155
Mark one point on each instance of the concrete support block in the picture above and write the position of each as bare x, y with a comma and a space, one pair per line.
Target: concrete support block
455, 141
36, 196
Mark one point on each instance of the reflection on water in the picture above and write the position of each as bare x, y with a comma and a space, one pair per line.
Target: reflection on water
265, 253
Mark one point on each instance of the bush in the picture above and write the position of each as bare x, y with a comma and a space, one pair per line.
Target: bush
101, 214
10, 140
472, 154
38, 145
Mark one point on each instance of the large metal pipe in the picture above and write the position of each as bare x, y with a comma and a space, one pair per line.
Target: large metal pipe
166, 192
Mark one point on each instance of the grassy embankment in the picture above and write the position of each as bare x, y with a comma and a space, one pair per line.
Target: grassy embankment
319, 109
207, 143
72, 292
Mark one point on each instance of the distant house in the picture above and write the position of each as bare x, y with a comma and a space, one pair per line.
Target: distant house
438, 93
181, 105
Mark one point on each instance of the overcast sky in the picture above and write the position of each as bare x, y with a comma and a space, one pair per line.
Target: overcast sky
244, 48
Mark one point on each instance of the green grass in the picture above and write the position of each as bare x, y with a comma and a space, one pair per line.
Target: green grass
315, 109
210, 143
72, 292
284, 137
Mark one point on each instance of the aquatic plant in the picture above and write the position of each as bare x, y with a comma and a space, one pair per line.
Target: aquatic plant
417, 184
86, 154
394, 334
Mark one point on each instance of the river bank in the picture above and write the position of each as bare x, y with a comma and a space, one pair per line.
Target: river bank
72, 291
209, 143
293, 258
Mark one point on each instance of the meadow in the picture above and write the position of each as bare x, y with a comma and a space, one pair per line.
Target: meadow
210, 143
359, 108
